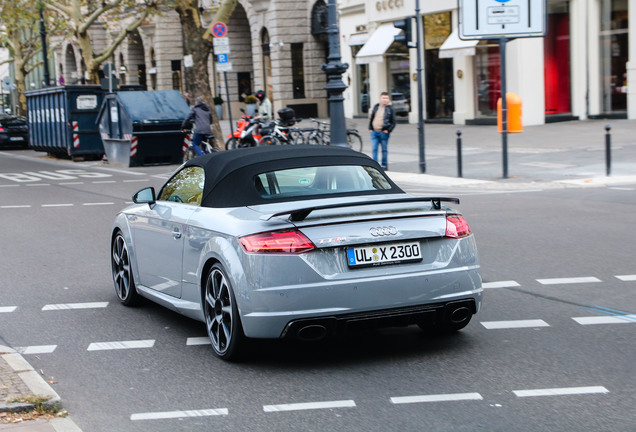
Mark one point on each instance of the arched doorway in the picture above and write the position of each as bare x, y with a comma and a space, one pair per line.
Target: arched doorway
70, 65
135, 60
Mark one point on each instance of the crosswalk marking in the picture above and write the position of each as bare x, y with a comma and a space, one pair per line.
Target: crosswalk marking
179, 414
436, 398
69, 306
560, 391
514, 324
103, 346
309, 406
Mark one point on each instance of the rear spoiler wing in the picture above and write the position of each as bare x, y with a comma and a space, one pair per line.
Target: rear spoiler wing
298, 215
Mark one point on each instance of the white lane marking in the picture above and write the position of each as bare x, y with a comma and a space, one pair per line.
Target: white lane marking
132, 173
561, 391
7, 309
11, 185
514, 324
102, 346
135, 181
614, 319
36, 349
15, 206
309, 406
57, 205
98, 204
622, 188
37, 184
179, 414
104, 181
436, 398
627, 278
70, 183
573, 280
500, 284
69, 306
198, 341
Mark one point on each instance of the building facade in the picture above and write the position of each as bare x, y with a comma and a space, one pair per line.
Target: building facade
275, 45
579, 70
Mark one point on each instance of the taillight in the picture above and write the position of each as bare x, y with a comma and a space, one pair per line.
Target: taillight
280, 242
456, 226
1, 129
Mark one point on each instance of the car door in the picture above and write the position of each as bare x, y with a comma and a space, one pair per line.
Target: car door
160, 231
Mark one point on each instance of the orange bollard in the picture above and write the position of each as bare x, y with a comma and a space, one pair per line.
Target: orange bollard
513, 102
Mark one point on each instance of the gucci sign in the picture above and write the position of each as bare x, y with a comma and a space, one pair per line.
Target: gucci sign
383, 5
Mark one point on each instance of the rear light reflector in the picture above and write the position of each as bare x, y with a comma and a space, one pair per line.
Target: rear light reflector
1, 129
456, 226
280, 242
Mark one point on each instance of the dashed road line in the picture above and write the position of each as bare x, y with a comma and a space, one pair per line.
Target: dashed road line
36, 349
15, 206
98, 204
37, 184
7, 309
613, 319
179, 414
71, 183
57, 205
104, 182
565, 391
105, 346
69, 306
571, 280
309, 406
500, 284
514, 324
436, 398
627, 278
198, 341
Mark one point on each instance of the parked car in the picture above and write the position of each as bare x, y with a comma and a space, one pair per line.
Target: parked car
400, 104
299, 242
14, 131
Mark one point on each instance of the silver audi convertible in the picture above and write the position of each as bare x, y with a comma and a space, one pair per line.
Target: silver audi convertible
301, 242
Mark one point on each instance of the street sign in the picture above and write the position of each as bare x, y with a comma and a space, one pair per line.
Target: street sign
221, 45
6, 83
219, 29
223, 58
224, 67
493, 19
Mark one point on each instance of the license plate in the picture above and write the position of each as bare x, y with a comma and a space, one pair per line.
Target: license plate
389, 253
16, 138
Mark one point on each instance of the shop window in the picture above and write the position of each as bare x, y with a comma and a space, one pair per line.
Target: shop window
298, 70
557, 59
614, 40
488, 78
440, 100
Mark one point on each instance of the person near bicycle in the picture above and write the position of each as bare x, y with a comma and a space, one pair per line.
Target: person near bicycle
381, 124
201, 115
264, 106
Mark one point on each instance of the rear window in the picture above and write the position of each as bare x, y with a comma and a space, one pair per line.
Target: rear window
321, 180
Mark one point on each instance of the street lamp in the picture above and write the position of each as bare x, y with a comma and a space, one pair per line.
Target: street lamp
45, 56
334, 70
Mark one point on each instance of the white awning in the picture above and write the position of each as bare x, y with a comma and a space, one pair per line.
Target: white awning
358, 39
380, 41
453, 46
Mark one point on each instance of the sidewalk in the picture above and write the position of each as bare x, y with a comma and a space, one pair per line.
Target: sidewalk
565, 154
18, 379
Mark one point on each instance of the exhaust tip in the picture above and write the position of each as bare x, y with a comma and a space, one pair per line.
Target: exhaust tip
460, 315
312, 333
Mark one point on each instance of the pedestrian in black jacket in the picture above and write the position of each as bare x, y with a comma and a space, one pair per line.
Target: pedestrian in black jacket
381, 124
202, 117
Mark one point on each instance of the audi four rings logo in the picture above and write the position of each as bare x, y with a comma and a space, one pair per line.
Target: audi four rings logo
383, 231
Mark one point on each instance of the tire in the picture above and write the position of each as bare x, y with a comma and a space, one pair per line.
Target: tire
122, 272
314, 139
269, 140
231, 144
222, 319
189, 154
355, 141
296, 138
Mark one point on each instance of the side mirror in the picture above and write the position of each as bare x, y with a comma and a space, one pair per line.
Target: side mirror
145, 196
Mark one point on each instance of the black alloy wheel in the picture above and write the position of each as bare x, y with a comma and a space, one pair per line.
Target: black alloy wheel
122, 272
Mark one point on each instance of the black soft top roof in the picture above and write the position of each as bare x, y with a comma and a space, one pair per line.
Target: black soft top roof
229, 174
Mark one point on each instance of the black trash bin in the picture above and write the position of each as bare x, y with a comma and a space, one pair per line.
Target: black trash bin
62, 120
143, 127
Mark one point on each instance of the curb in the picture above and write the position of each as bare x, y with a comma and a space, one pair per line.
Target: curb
37, 386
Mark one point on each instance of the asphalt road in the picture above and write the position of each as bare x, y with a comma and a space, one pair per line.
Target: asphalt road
552, 348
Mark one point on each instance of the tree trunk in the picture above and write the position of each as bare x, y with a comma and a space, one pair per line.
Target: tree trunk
19, 66
197, 77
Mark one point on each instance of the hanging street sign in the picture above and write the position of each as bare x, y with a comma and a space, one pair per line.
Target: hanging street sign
492, 19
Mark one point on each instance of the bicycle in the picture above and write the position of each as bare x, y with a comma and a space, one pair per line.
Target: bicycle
276, 133
188, 150
321, 136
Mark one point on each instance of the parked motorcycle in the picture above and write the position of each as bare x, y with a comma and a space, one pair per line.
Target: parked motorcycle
247, 133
